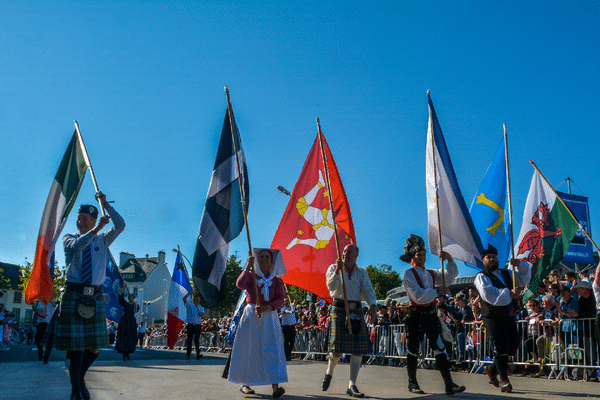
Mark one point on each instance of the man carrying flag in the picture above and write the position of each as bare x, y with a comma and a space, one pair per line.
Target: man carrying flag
177, 314
81, 327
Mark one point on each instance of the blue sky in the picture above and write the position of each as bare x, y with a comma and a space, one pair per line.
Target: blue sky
145, 82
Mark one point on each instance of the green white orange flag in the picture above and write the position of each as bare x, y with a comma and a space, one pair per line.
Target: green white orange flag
61, 198
546, 233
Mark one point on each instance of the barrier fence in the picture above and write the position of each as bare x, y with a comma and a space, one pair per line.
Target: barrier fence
569, 350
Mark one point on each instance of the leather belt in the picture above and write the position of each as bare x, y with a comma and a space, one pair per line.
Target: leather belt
87, 290
352, 305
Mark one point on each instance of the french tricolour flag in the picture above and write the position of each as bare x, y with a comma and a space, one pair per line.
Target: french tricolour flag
180, 286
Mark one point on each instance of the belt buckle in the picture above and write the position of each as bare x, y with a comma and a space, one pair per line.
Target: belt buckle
88, 291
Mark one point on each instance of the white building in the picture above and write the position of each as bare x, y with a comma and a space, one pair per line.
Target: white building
12, 299
149, 280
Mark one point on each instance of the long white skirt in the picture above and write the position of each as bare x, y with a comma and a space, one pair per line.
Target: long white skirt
257, 357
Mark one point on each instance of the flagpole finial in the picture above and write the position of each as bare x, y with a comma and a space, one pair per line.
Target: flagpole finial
428, 93
318, 120
226, 89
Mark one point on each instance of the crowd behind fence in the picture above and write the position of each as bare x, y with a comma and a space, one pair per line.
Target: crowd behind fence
563, 351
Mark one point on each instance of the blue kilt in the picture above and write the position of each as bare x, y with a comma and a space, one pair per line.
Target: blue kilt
340, 340
75, 333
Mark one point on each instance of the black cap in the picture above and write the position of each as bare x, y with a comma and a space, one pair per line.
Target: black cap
89, 209
490, 250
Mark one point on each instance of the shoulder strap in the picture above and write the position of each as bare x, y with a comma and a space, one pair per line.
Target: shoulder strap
418, 278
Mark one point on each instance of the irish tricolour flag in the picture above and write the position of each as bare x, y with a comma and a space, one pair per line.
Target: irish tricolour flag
61, 198
546, 233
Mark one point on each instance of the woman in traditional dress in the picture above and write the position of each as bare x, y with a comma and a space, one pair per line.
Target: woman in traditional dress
258, 356
127, 330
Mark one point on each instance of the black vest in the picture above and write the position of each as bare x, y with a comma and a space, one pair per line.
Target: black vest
488, 310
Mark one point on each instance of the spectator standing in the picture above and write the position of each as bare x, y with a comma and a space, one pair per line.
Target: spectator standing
288, 326
127, 330
195, 312
142, 330
44, 315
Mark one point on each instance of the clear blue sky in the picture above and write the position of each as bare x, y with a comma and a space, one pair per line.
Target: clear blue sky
145, 82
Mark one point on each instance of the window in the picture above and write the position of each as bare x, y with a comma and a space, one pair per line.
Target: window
135, 293
17, 298
17, 313
28, 316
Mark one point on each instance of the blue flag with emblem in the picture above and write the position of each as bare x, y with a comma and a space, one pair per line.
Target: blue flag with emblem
111, 289
490, 208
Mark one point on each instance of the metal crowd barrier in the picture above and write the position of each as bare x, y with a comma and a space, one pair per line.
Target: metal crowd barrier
560, 351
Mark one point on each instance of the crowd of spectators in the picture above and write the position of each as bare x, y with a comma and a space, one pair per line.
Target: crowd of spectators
12, 332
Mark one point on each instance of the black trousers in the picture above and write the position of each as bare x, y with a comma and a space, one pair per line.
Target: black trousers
289, 338
41, 328
423, 321
503, 330
193, 333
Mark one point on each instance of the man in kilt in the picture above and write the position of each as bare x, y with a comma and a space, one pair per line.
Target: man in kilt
357, 287
422, 319
81, 324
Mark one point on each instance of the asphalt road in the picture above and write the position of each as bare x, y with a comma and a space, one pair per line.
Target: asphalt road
165, 374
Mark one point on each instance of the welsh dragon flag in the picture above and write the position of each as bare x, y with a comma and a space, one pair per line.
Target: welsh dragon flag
62, 196
546, 233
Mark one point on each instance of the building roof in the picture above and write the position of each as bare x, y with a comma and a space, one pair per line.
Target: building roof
140, 267
13, 274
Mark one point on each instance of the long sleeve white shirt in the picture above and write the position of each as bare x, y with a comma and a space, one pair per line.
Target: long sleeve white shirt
501, 297
427, 293
358, 285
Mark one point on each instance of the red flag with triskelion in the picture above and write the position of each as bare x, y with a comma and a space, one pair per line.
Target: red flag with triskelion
305, 233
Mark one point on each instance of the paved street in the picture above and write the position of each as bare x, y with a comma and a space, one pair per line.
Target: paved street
163, 374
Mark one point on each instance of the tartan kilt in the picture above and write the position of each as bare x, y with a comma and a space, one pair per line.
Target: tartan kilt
340, 340
75, 333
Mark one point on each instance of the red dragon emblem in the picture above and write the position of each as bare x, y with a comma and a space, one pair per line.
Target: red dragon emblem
533, 239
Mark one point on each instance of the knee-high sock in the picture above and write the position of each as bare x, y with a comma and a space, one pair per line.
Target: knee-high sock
355, 362
87, 360
333, 360
441, 360
75, 369
411, 369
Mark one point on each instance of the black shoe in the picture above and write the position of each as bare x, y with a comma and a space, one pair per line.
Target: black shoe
278, 392
353, 391
128, 357
85, 393
326, 382
76, 396
188, 356
454, 388
505, 386
198, 356
45, 361
416, 390
493, 376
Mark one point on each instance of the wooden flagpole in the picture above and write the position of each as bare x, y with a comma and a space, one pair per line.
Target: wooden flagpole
86, 157
242, 194
510, 217
563, 203
337, 241
437, 204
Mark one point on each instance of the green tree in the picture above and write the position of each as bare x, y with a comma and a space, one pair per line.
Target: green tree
4, 282
232, 293
383, 278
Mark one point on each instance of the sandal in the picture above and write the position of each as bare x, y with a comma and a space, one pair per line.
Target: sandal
246, 390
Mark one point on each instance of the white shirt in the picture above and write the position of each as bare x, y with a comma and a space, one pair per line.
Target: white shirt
427, 293
358, 285
501, 297
596, 294
48, 309
193, 313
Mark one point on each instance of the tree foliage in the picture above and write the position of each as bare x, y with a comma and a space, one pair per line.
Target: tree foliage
4, 282
383, 278
232, 294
